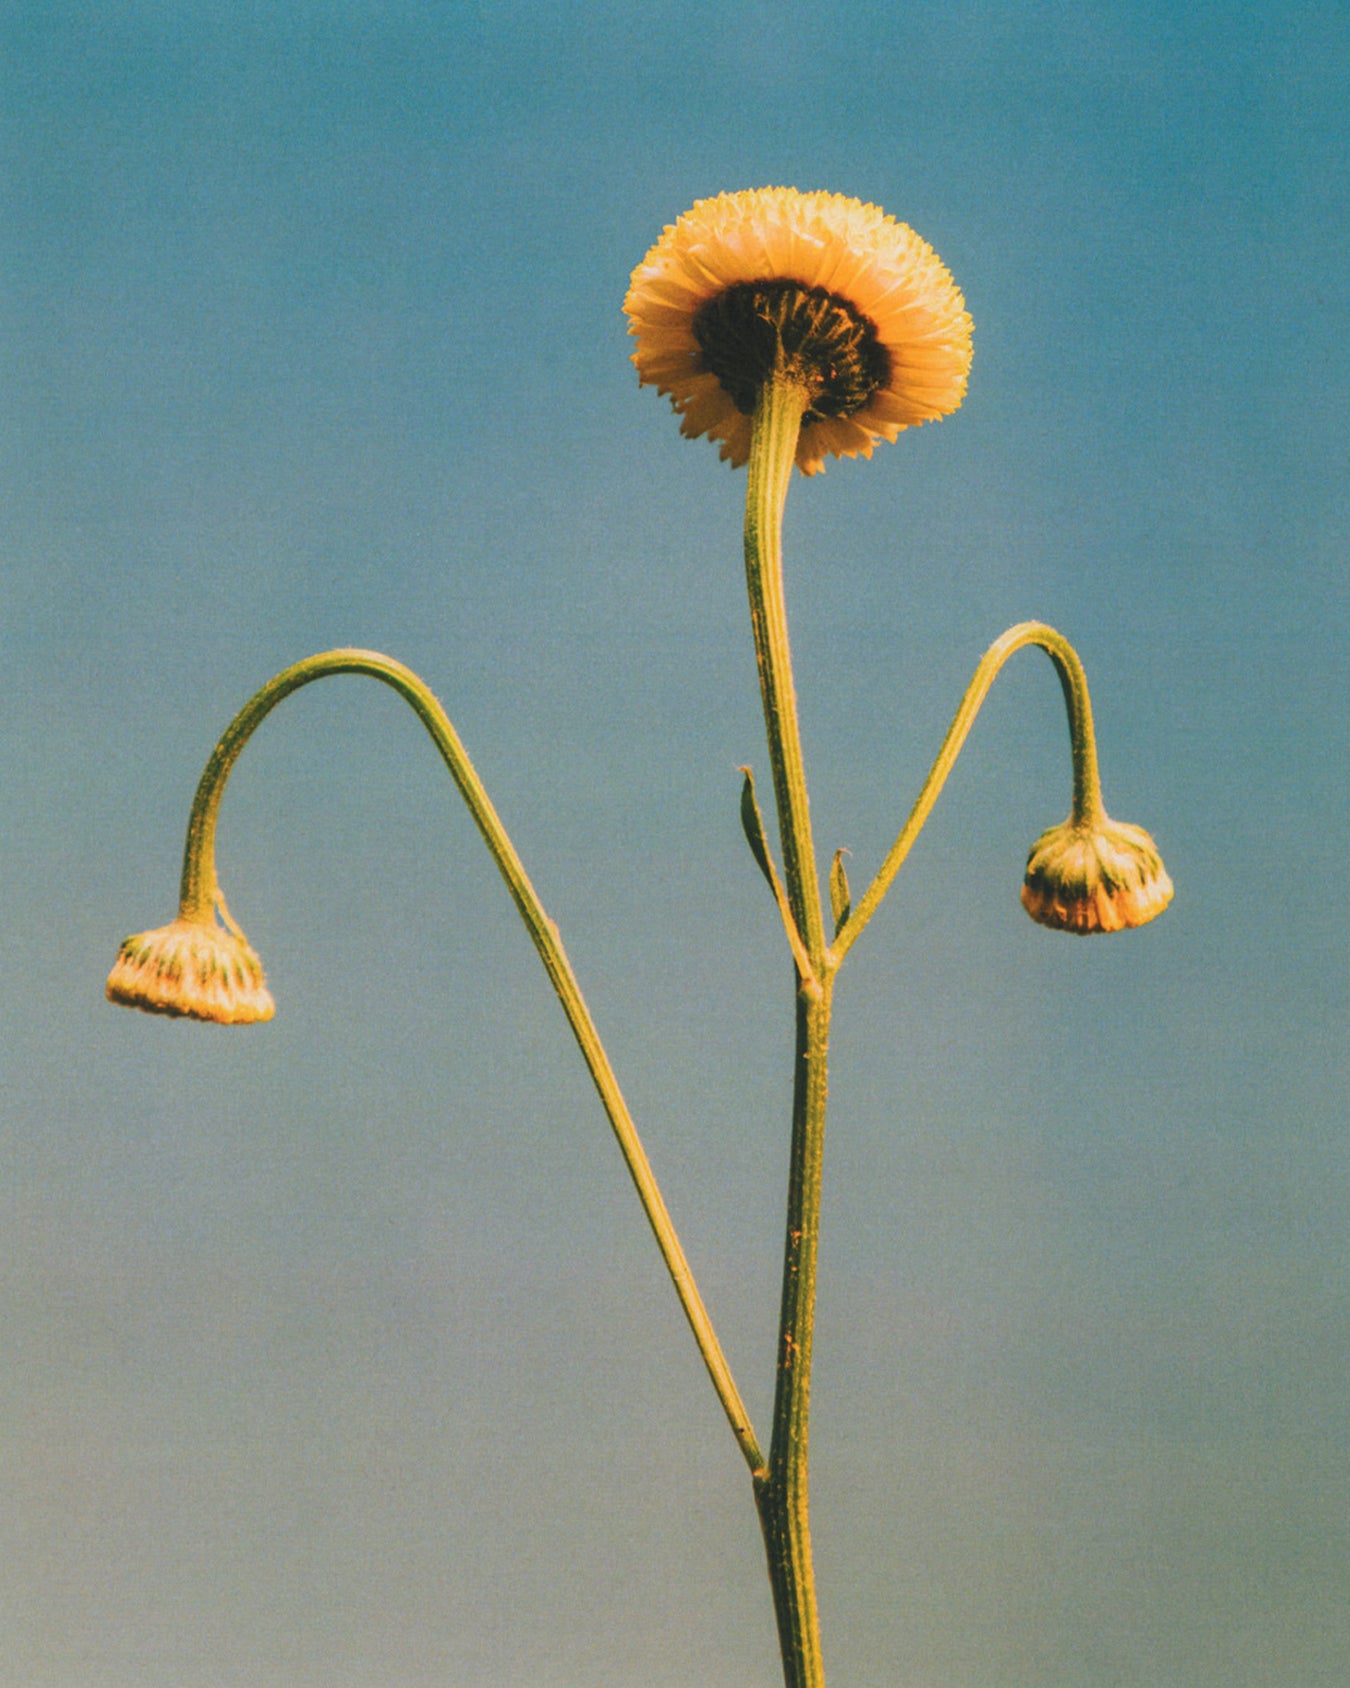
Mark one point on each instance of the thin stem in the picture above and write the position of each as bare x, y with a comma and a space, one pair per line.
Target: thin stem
200, 895
777, 423
782, 1492
1087, 795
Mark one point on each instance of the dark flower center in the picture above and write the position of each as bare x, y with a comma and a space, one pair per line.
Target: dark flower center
753, 328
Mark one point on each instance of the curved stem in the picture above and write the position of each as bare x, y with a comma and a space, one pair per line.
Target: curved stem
200, 896
1087, 795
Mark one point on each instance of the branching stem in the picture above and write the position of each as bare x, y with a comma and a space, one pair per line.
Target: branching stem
780, 1479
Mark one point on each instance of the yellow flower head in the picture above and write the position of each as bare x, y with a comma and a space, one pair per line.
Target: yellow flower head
831, 291
195, 968
1095, 876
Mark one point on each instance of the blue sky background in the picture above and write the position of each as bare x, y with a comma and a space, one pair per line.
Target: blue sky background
336, 1352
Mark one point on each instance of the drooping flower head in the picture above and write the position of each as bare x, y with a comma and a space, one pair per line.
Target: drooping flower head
830, 291
1096, 875
192, 967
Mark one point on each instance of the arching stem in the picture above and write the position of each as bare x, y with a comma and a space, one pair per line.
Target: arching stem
200, 896
1087, 791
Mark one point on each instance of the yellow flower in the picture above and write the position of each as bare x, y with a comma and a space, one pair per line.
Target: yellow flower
1095, 876
192, 967
847, 300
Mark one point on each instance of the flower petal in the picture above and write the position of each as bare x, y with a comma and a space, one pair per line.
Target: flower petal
191, 968
884, 272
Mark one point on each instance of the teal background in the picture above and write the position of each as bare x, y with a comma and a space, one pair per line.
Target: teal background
335, 1352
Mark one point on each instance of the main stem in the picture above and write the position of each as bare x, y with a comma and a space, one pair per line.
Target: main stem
782, 1493
782, 1490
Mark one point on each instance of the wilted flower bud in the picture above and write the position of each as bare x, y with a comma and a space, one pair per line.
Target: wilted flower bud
195, 968
1095, 876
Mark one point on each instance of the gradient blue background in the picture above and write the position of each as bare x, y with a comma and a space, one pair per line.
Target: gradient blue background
336, 1352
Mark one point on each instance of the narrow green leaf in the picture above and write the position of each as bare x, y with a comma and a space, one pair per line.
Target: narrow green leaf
752, 823
840, 901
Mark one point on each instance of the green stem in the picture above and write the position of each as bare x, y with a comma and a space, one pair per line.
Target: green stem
782, 1491
1087, 794
777, 423
782, 1494
200, 897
